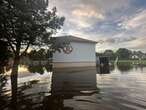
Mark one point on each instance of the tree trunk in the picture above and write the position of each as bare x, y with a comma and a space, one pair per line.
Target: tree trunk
14, 76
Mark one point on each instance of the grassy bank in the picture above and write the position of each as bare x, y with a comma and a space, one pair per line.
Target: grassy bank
134, 62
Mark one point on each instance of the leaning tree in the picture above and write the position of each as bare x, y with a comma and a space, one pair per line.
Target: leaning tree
26, 23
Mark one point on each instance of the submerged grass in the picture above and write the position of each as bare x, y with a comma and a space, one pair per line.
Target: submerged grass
131, 62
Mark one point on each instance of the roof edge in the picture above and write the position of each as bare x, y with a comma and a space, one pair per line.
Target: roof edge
75, 38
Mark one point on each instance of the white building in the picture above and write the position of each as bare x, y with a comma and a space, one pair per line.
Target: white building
83, 53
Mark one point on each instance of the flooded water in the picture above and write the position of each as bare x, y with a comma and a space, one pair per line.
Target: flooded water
122, 87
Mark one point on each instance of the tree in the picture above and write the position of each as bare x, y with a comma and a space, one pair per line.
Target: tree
41, 54
107, 53
25, 23
110, 54
5, 53
123, 53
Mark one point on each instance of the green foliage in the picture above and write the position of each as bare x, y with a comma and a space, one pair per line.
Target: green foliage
110, 54
38, 55
124, 67
131, 62
123, 53
25, 23
5, 53
36, 69
39, 68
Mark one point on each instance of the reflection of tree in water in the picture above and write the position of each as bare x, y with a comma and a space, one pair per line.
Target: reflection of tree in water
112, 67
55, 103
49, 67
28, 101
22, 101
3, 90
39, 68
2, 70
105, 69
36, 69
25, 100
124, 67
36, 100
30, 98
4, 67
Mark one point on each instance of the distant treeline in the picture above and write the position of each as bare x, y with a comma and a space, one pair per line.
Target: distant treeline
6, 56
123, 54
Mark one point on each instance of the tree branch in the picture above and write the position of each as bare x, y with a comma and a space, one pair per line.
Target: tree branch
26, 49
12, 47
9, 42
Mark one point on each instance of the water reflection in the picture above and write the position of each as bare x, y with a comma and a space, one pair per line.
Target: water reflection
75, 88
30, 94
42, 89
39, 68
3, 81
105, 69
4, 69
73, 82
70, 83
30, 87
124, 67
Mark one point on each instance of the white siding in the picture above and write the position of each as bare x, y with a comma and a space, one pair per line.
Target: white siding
82, 52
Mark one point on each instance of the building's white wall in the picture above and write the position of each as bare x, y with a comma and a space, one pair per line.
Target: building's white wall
82, 52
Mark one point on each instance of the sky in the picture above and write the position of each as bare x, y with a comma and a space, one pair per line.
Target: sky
114, 23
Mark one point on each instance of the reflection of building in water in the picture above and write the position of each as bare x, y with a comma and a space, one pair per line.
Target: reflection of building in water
34, 90
74, 82
68, 83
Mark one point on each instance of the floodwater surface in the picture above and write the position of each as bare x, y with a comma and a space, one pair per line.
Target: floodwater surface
119, 88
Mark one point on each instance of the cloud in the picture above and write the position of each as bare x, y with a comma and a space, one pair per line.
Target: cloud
120, 40
119, 23
136, 21
85, 16
87, 11
139, 43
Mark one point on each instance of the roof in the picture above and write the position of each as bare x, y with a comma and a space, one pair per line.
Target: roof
71, 38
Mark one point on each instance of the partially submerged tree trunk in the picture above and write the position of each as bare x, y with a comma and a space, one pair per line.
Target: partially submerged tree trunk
14, 76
